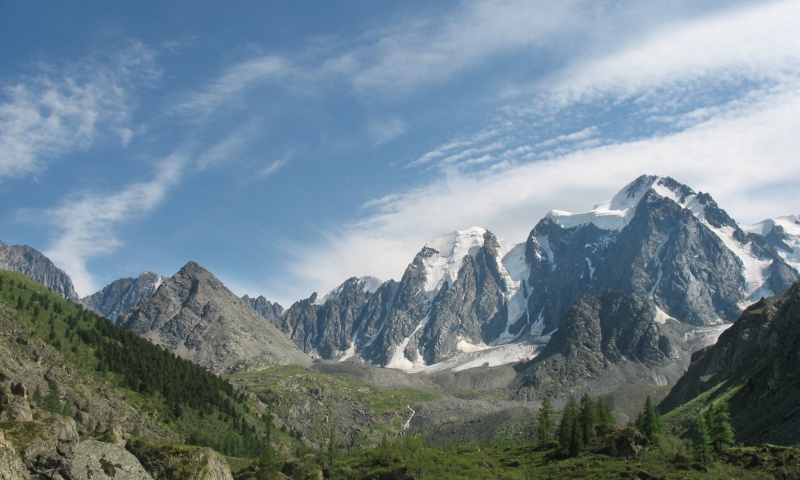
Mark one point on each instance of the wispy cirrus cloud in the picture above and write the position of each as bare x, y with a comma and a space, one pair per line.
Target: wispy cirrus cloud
86, 222
383, 131
717, 115
56, 111
271, 167
231, 84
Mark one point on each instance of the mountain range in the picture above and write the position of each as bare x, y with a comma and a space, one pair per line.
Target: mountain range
677, 265
672, 250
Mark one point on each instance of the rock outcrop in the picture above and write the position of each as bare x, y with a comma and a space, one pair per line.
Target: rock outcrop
34, 264
195, 316
756, 366
121, 295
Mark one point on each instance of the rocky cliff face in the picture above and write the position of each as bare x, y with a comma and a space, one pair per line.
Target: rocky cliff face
452, 294
195, 316
607, 341
121, 295
32, 263
756, 366
269, 310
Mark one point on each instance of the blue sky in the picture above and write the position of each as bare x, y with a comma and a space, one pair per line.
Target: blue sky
287, 146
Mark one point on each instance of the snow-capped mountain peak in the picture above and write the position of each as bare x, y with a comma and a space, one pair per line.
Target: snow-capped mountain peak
616, 213
365, 284
785, 235
446, 253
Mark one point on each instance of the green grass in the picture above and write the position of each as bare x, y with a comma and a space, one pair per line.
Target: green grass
319, 394
525, 461
167, 390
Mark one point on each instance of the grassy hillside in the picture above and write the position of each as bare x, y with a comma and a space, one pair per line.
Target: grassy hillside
79, 364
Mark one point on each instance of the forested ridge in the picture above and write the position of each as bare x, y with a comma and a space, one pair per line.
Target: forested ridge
204, 408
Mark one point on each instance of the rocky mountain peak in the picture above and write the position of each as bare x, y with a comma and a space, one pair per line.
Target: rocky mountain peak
443, 256
34, 264
194, 315
351, 286
264, 307
122, 295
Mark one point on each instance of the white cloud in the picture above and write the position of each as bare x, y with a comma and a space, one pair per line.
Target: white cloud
729, 108
229, 149
271, 168
754, 42
236, 80
86, 222
738, 160
55, 112
427, 50
383, 131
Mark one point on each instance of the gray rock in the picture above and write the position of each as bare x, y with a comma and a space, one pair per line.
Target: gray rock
122, 295
98, 461
195, 316
754, 364
17, 409
11, 465
180, 461
269, 310
32, 263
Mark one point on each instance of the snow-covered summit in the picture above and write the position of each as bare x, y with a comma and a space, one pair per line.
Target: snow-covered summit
616, 213
449, 250
366, 284
787, 232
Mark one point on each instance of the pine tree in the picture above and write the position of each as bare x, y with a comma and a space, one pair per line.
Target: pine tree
545, 423
333, 446
719, 426
37, 396
268, 454
703, 449
605, 420
651, 425
587, 420
575, 439
53, 401
569, 417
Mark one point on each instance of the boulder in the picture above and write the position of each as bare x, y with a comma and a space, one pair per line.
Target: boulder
89, 459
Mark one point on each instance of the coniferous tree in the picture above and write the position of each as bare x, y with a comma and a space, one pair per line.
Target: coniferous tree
703, 449
53, 401
651, 425
545, 423
268, 453
587, 420
605, 420
575, 439
37, 396
569, 417
718, 421
333, 446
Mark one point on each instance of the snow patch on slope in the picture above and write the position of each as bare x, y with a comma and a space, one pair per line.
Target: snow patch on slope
364, 285
157, 283
791, 229
755, 269
485, 357
661, 316
399, 360
515, 271
450, 249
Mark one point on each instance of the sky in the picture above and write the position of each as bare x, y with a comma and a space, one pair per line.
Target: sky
288, 146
